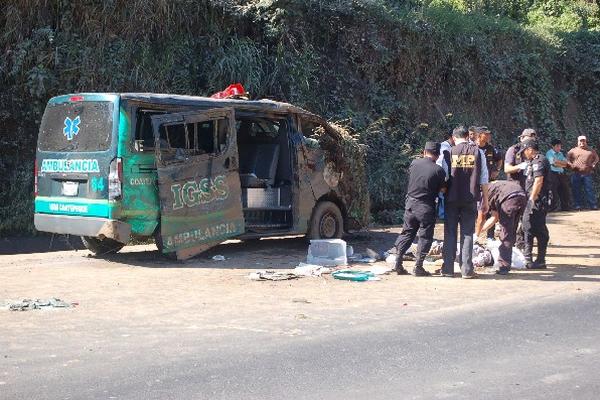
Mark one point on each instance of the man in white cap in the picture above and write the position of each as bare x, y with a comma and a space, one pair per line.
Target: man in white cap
583, 160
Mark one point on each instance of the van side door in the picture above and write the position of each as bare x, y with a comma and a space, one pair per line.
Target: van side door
198, 180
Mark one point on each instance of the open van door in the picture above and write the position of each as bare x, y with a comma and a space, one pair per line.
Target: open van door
198, 180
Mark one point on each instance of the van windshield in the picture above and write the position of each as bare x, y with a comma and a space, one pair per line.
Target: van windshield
77, 127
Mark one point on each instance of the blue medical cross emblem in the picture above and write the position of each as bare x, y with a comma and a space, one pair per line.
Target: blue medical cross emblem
71, 128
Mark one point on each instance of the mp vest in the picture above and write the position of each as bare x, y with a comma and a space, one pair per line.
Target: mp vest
465, 173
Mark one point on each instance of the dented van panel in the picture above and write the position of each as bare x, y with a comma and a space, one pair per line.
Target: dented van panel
196, 171
199, 190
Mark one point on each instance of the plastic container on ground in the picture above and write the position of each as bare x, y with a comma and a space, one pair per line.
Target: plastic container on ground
327, 252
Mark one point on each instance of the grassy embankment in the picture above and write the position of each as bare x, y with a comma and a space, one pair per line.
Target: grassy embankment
396, 72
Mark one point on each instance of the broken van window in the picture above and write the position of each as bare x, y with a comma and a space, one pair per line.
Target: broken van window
144, 137
259, 127
76, 127
182, 140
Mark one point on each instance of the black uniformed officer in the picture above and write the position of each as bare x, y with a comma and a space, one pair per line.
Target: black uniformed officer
507, 200
514, 167
426, 180
467, 185
534, 217
493, 160
514, 164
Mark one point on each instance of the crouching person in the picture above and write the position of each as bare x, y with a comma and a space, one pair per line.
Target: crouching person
426, 180
506, 200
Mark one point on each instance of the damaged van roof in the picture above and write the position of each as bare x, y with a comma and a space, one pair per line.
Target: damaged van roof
177, 99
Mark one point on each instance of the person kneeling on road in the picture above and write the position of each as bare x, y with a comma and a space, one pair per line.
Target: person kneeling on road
426, 180
534, 217
506, 200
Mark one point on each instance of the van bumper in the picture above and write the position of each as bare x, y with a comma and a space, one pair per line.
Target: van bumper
83, 226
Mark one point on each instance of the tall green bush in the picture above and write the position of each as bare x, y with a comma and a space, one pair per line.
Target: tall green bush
398, 72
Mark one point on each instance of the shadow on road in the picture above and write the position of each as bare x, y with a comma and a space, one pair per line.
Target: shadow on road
39, 244
563, 272
554, 273
272, 253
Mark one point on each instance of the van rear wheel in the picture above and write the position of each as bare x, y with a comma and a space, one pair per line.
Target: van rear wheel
326, 222
101, 246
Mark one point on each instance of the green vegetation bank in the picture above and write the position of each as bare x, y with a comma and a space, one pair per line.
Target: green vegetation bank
396, 72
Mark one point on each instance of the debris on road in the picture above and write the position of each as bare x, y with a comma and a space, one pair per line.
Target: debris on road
355, 257
367, 260
37, 304
373, 254
354, 275
484, 255
349, 251
218, 257
327, 252
518, 258
270, 275
311, 270
300, 300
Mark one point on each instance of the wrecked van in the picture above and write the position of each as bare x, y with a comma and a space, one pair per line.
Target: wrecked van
192, 172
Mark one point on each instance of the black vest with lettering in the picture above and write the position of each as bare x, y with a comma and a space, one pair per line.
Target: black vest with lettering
465, 173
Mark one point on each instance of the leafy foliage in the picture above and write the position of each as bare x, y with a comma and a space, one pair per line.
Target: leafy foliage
393, 70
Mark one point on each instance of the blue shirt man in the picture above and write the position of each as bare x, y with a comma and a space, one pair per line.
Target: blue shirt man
558, 179
553, 155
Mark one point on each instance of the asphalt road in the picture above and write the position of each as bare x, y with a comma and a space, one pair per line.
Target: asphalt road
546, 350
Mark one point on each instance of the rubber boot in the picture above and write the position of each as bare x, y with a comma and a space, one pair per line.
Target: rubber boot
540, 262
398, 267
527, 250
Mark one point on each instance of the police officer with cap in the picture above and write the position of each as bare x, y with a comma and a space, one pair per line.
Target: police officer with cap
534, 217
514, 164
426, 180
514, 167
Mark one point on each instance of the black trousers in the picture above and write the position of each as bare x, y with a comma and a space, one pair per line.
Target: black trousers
464, 214
534, 227
508, 216
560, 186
419, 219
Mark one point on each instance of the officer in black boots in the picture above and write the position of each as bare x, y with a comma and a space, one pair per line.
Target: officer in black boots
534, 217
426, 180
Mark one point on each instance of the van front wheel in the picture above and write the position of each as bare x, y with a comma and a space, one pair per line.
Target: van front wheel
326, 222
101, 246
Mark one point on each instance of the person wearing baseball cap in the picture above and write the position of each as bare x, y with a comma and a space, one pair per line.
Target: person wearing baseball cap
426, 180
534, 217
583, 161
514, 168
493, 160
514, 165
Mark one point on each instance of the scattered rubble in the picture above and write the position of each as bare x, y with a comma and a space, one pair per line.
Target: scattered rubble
270, 275
37, 304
